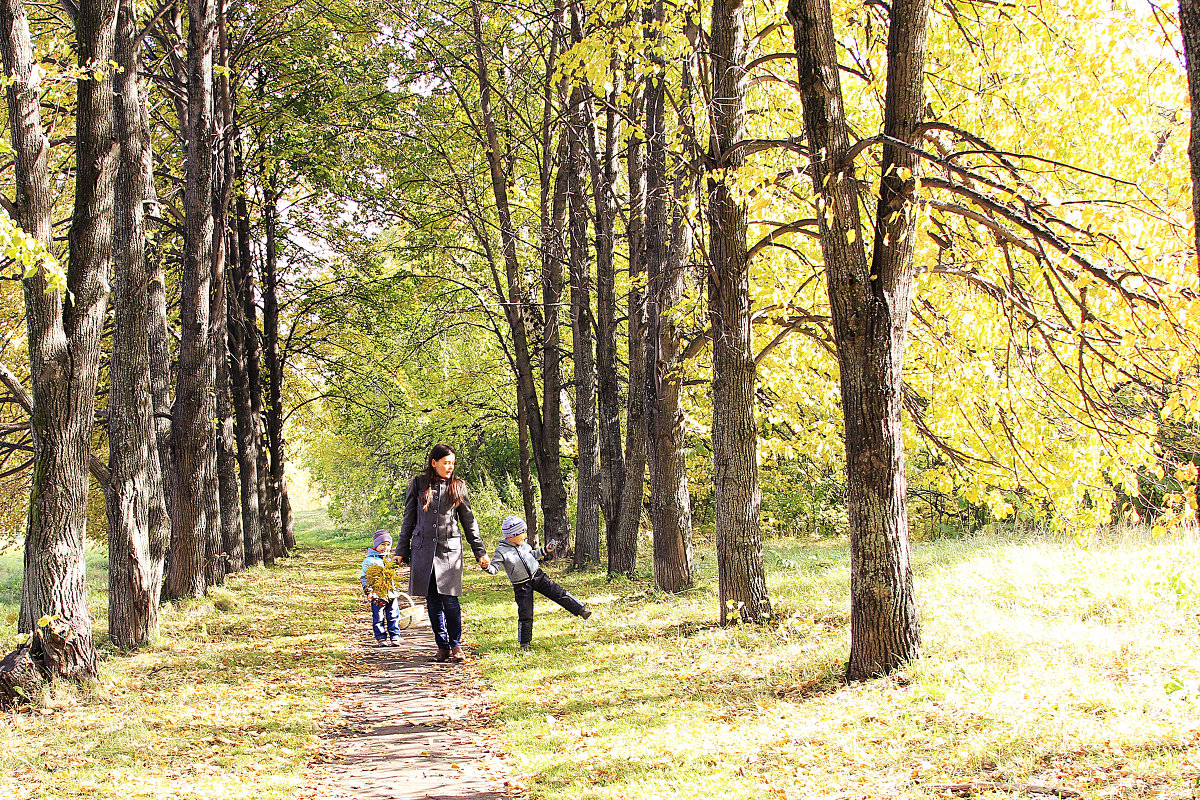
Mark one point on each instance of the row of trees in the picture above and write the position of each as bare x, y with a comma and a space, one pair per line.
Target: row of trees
771, 190
810, 232
175, 199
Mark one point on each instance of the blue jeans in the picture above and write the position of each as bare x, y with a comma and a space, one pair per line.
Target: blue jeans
445, 616
384, 620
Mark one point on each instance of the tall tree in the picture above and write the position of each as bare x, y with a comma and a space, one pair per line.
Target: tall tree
542, 419
192, 439
623, 535
138, 527
274, 367
64, 324
667, 248
870, 302
581, 138
233, 557
742, 586
242, 337
605, 167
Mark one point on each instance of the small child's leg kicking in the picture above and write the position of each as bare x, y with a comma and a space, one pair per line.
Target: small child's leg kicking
523, 592
546, 586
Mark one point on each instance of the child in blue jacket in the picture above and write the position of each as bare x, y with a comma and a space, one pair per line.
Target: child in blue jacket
384, 610
520, 562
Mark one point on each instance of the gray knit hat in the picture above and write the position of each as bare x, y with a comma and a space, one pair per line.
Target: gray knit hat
512, 526
380, 538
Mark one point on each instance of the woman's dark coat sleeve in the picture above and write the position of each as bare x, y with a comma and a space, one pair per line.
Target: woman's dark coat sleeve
470, 528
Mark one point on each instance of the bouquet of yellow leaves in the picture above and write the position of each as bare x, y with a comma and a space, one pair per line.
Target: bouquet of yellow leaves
383, 580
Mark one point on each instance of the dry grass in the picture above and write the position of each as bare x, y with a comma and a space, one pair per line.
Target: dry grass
223, 705
1045, 664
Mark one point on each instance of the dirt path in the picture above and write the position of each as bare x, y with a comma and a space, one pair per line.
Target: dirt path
406, 726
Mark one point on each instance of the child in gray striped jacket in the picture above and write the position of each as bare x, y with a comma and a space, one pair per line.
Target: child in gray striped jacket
520, 562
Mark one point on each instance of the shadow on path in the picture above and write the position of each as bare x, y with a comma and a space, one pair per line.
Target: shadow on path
407, 727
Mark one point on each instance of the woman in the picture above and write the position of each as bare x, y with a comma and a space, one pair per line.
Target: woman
436, 517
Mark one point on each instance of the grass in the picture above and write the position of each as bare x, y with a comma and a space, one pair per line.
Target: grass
224, 704
1045, 663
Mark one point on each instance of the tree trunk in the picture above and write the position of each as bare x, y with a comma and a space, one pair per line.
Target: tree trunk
274, 365
587, 496
870, 307
608, 385
528, 495
543, 428
192, 439
741, 578
665, 256
623, 537
271, 527
1189, 24
137, 515
232, 546
245, 428
64, 333
554, 497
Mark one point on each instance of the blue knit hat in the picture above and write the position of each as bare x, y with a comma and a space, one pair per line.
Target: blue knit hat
380, 538
512, 526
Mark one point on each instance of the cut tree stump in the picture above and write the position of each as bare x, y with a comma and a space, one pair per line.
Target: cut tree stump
21, 678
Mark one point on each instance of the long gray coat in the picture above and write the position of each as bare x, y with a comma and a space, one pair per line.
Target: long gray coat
430, 540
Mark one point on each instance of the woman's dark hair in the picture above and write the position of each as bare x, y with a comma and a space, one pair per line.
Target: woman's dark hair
457, 489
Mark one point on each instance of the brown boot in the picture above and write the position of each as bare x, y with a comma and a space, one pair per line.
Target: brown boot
443, 654
457, 655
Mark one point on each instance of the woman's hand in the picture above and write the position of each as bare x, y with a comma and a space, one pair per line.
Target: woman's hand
484, 562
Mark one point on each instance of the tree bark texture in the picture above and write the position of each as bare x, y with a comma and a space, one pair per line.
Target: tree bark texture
1189, 24
528, 493
245, 429
623, 537
608, 385
543, 428
64, 337
138, 529
554, 256
192, 437
271, 526
870, 307
742, 586
232, 543
587, 495
665, 253
274, 366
